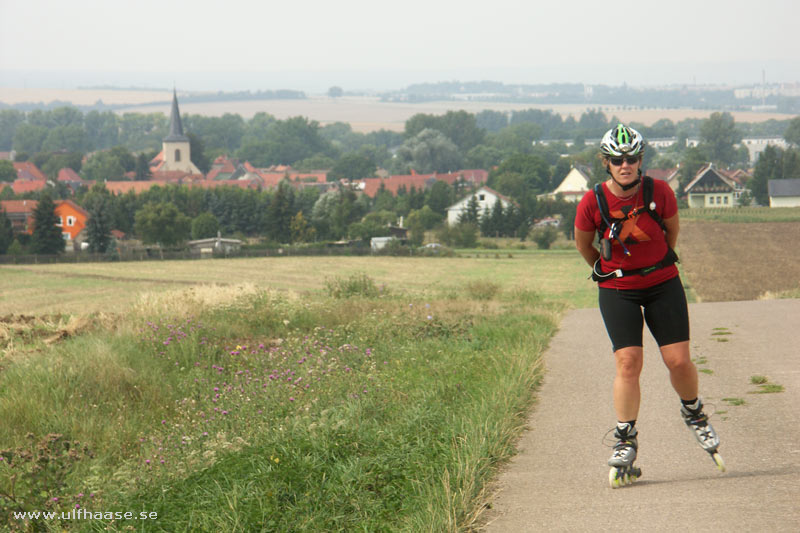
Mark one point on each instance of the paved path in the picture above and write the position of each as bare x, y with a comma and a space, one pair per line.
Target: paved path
559, 479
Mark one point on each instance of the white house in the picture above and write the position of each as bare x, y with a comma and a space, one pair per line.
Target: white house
486, 198
711, 188
784, 193
756, 145
573, 186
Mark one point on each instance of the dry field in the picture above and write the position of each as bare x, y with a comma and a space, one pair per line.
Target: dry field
744, 261
363, 113
111, 287
369, 114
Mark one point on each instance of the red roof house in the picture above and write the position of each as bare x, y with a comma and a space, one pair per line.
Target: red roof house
20, 213
28, 171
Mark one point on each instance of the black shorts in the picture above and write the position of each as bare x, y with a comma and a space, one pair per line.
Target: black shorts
665, 311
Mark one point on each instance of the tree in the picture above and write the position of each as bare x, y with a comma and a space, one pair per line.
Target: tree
718, 134
425, 216
71, 138
46, 238
472, 214
6, 232
104, 166
7, 171
301, 230
333, 213
517, 138
335, 92
142, 168
198, 151
102, 130
792, 133
458, 126
98, 227
483, 156
162, 223
534, 170
439, 197
693, 158
204, 226
10, 119
52, 163
352, 166
429, 151
29, 138
767, 167
280, 213
491, 121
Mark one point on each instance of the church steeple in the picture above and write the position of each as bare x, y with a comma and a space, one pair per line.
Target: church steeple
175, 124
177, 148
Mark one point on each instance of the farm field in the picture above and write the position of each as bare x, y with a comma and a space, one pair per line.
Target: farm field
109, 287
728, 261
367, 114
364, 113
706, 246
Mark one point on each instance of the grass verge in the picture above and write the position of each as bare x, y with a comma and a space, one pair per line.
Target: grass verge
252, 410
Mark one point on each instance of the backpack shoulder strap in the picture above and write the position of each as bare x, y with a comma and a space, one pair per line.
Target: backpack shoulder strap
602, 205
649, 204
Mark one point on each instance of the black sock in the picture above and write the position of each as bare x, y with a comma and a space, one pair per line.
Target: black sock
692, 405
626, 428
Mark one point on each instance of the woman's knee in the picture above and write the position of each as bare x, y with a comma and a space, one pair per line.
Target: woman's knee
629, 362
676, 357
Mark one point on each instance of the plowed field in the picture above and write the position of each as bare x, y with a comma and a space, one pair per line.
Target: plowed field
730, 261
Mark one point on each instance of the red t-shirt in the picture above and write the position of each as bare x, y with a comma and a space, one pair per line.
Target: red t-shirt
641, 234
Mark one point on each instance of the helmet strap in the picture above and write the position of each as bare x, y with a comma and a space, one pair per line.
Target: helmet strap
629, 186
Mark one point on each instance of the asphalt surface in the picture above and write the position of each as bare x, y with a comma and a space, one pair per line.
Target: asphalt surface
559, 479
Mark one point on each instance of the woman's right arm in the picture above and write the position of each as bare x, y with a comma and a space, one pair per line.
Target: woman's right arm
584, 242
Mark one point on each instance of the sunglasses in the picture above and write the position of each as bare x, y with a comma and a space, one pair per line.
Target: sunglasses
630, 159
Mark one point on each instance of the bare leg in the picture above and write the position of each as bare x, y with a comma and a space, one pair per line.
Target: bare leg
627, 394
682, 372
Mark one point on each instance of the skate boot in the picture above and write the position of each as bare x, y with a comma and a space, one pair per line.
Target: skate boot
697, 421
621, 462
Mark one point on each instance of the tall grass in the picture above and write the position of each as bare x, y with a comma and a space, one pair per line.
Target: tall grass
249, 410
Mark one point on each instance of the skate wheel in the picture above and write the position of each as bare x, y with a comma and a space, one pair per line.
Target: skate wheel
614, 478
718, 461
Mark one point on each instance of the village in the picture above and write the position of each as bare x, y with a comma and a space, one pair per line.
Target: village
711, 187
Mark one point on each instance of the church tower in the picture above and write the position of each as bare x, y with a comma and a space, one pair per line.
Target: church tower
176, 147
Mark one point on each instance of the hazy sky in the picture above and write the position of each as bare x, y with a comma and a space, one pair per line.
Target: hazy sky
374, 44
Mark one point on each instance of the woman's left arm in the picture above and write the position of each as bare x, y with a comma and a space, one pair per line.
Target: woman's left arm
673, 226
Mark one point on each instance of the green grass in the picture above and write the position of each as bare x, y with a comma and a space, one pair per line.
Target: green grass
764, 386
770, 388
244, 410
734, 401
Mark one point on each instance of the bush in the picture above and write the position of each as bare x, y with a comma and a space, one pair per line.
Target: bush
544, 237
482, 289
356, 285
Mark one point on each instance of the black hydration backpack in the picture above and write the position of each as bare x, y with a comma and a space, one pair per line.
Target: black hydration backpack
615, 225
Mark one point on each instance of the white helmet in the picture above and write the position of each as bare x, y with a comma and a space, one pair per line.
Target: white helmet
622, 140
